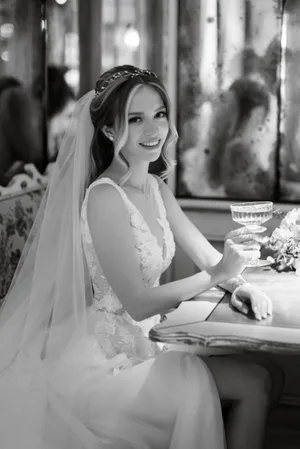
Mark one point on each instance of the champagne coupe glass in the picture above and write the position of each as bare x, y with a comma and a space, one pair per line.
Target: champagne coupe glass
253, 215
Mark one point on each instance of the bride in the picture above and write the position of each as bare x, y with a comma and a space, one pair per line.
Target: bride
77, 370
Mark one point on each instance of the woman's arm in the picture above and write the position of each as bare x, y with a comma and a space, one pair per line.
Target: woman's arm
192, 241
111, 232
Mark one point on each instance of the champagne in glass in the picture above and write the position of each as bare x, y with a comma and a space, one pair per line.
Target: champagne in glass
253, 215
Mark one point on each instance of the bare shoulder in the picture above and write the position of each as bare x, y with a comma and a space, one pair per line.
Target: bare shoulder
106, 197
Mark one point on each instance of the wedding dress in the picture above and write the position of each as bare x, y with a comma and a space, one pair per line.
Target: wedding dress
117, 333
167, 402
76, 371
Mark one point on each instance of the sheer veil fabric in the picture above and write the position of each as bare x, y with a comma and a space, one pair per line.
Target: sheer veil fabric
50, 287
56, 391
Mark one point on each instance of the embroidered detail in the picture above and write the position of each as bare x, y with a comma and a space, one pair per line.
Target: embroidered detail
116, 332
136, 220
118, 312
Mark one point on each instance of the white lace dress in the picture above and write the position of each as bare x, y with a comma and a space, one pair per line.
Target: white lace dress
116, 332
135, 395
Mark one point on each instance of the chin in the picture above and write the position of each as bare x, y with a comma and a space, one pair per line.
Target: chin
152, 157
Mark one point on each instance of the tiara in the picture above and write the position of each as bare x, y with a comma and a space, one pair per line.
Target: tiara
122, 74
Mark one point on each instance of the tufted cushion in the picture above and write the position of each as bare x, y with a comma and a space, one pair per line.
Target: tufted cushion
17, 214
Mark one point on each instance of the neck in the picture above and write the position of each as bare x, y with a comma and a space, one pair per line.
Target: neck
139, 173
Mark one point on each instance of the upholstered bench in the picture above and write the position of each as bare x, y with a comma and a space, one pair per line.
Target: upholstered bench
17, 214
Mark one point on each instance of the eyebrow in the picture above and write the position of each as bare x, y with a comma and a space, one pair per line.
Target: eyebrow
141, 113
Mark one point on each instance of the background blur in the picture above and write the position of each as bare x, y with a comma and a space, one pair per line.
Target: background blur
235, 86
52, 52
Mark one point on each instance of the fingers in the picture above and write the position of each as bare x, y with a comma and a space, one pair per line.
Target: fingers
246, 239
253, 229
238, 304
262, 240
262, 308
241, 254
248, 253
259, 311
269, 306
261, 305
246, 236
244, 245
244, 231
248, 246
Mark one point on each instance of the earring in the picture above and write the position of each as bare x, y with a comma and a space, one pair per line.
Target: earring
109, 137
108, 134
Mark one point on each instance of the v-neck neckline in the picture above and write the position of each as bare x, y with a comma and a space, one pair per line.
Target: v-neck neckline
158, 219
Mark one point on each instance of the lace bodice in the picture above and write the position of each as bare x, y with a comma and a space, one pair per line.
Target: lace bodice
116, 332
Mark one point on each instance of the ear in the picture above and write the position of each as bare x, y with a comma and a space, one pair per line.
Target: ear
108, 132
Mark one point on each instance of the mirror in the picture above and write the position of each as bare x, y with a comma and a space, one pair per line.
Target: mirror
115, 32
44, 43
237, 85
229, 97
121, 33
132, 32
62, 70
21, 64
290, 98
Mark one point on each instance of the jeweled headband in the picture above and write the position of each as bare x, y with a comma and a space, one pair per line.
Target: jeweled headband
101, 86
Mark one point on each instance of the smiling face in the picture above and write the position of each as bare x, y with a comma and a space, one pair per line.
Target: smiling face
148, 126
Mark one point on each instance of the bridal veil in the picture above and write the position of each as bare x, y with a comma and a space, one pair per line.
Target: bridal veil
43, 317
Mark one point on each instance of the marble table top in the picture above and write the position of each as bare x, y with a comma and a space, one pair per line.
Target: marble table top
209, 321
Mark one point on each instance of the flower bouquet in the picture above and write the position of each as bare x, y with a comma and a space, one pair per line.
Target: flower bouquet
285, 243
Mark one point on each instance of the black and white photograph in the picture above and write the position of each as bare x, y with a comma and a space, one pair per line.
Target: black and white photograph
149, 224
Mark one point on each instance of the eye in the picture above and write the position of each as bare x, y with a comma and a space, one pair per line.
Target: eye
134, 120
161, 114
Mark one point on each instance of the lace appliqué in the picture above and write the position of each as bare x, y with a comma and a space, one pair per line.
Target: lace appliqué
115, 331
150, 268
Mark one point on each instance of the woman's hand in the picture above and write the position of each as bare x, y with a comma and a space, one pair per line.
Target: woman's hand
249, 297
241, 245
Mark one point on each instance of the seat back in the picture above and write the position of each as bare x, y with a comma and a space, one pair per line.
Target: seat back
17, 214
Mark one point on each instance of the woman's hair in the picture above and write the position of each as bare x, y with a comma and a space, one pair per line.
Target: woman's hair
114, 92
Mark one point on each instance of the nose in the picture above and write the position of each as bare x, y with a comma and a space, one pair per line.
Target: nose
150, 128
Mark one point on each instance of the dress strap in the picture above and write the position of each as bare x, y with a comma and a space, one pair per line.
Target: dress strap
155, 181
115, 185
